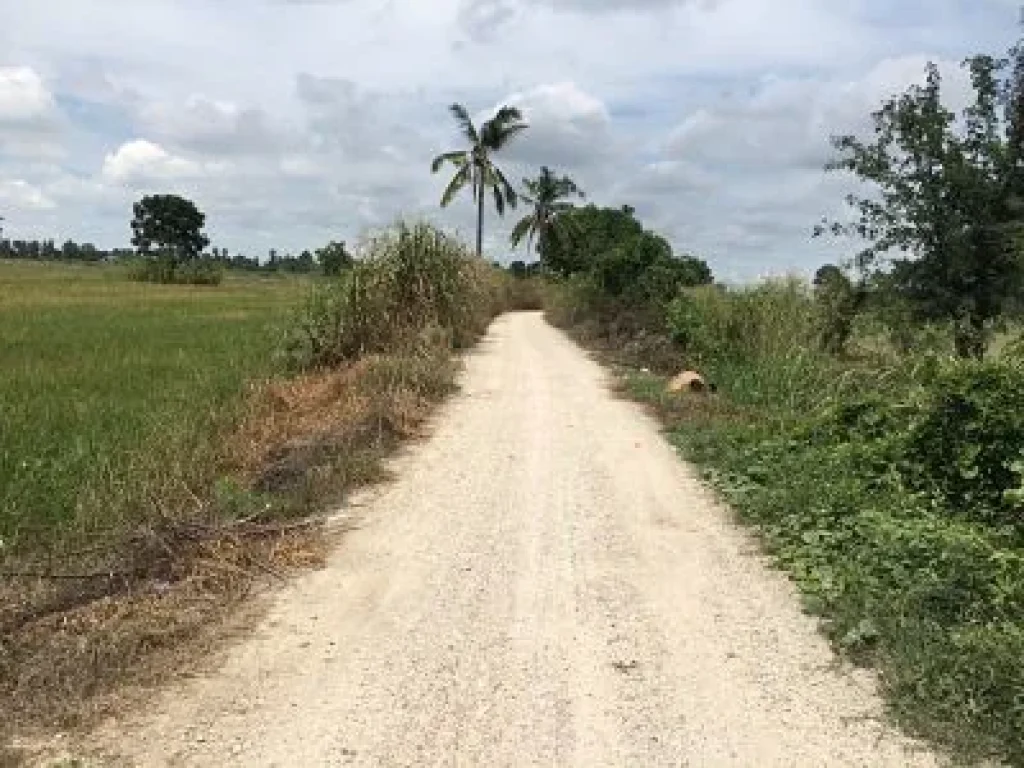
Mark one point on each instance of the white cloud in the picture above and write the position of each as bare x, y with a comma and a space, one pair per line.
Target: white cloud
144, 161
19, 194
24, 97
29, 116
568, 126
747, 169
211, 126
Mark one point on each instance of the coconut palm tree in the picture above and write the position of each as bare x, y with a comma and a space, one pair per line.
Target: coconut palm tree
474, 165
549, 196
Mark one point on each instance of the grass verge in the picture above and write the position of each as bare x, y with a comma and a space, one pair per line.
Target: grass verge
886, 488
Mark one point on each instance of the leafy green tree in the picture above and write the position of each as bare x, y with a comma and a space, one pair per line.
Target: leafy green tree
595, 232
946, 197
548, 194
621, 258
169, 229
475, 167
334, 259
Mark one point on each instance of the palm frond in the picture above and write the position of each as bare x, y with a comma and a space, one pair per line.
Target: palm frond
501, 128
508, 191
507, 116
461, 115
504, 135
566, 187
456, 184
521, 230
499, 200
457, 158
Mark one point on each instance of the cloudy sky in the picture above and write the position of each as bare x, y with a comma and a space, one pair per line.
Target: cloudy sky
292, 122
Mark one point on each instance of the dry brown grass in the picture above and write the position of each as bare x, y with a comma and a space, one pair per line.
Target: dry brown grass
327, 430
86, 659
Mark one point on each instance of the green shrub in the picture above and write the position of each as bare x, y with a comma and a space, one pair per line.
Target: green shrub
966, 441
523, 293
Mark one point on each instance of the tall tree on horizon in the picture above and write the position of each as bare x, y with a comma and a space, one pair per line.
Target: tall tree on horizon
549, 195
475, 166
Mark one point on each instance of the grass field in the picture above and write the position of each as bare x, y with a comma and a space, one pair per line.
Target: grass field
112, 390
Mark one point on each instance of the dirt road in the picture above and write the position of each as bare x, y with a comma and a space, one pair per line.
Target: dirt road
545, 584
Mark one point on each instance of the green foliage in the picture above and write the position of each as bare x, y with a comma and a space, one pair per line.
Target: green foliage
522, 270
595, 231
168, 229
954, 437
947, 191
413, 280
615, 282
774, 319
623, 264
965, 442
333, 259
523, 293
48, 250
474, 167
838, 302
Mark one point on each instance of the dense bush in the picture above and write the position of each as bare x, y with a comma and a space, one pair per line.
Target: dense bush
955, 436
837, 301
522, 293
965, 442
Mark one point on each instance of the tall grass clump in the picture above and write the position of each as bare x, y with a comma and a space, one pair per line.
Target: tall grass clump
759, 343
413, 282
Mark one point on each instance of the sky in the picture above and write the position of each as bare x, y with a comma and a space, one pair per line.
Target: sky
295, 122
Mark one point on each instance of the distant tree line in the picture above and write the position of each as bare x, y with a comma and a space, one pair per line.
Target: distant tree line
48, 250
306, 262
172, 245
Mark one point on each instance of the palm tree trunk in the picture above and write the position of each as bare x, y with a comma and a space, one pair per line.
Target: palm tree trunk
480, 219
